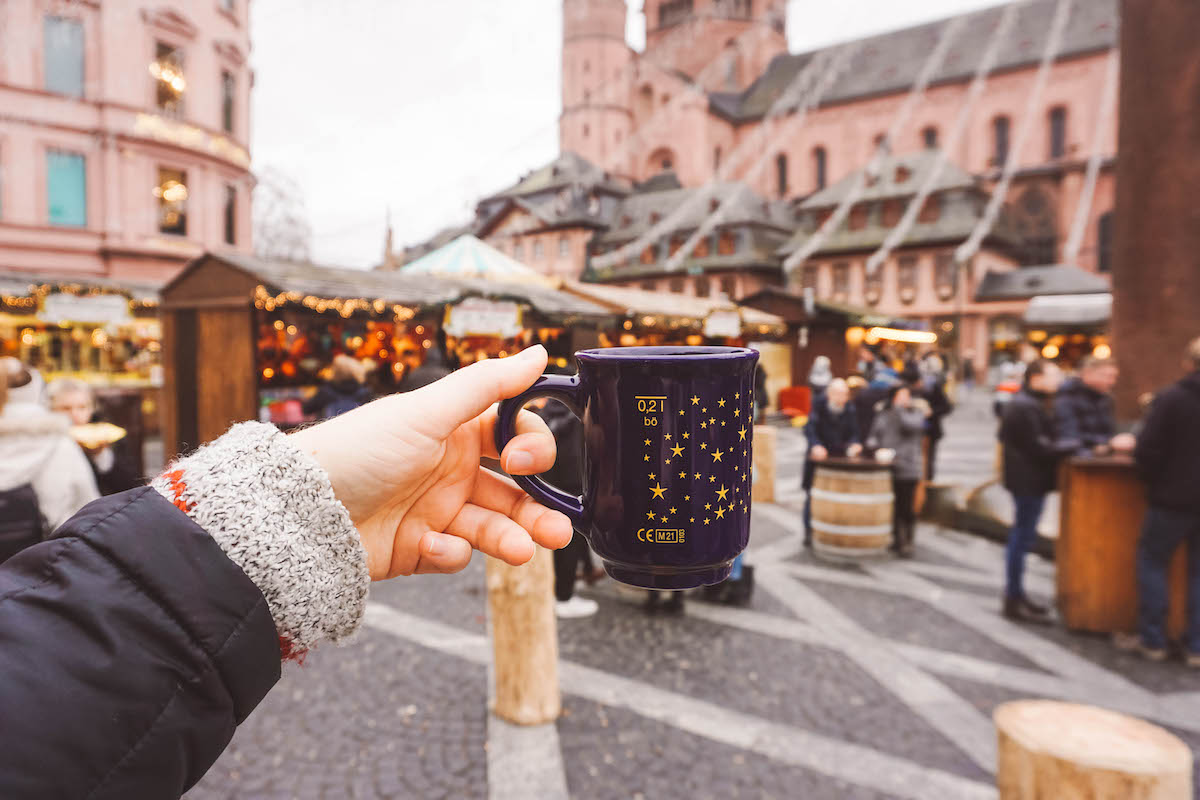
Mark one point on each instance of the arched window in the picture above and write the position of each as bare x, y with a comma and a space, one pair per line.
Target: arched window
819, 165
881, 142
1000, 126
1058, 132
661, 159
930, 137
781, 176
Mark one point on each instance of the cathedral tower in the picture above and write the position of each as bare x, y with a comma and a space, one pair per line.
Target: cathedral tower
597, 73
738, 37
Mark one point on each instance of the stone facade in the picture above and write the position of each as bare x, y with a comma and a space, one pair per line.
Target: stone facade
124, 135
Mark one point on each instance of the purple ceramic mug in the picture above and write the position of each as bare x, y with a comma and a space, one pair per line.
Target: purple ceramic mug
667, 456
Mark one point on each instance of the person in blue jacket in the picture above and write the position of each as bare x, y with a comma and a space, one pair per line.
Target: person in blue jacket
146, 629
832, 430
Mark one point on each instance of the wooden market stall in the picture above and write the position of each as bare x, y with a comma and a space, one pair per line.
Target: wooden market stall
248, 338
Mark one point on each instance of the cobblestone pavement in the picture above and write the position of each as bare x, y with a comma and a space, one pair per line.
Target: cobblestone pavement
866, 681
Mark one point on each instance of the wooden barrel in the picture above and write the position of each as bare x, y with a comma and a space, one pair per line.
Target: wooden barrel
851, 509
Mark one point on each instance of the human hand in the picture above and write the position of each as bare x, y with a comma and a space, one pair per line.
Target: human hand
407, 469
1123, 442
853, 450
819, 453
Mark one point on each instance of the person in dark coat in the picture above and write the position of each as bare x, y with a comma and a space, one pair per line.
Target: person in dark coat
1168, 457
139, 636
832, 430
1032, 451
900, 428
112, 465
345, 390
1084, 409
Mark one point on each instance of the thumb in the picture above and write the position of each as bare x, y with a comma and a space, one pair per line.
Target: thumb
463, 395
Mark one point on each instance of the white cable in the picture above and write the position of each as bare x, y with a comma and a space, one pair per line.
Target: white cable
840, 61
986, 63
1053, 40
1108, 97
796, 90
932, 64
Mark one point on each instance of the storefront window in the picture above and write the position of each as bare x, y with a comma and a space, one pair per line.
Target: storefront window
172, 194
169, 83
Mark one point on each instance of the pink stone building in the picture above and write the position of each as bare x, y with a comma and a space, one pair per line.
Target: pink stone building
124, 131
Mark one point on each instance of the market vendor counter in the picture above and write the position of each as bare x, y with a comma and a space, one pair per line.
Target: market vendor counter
1103, 503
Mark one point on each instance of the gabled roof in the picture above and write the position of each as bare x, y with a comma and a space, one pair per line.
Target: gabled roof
898, 176
640, 208
1027, 282
890, 62
569, 169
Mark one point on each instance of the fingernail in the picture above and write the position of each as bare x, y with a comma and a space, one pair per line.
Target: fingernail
435, 548
520, 462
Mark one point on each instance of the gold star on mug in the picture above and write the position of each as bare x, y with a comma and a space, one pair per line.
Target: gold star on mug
742, 436
721, 402
695, 400
676, 450
716, 454
687, 435
722, 492
659, 491
672, 511
647, 443
720, 513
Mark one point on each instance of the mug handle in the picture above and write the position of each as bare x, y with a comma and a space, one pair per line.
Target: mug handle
565, 389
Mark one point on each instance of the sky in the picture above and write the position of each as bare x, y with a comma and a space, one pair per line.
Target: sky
421, 107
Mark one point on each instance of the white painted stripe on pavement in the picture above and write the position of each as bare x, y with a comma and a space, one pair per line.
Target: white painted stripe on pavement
851, 763
956, 719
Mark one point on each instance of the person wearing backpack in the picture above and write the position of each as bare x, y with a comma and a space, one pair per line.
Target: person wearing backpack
44, 475
343, 392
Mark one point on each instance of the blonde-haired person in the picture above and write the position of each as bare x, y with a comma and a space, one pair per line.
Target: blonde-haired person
44, 476
344, 391
113, 467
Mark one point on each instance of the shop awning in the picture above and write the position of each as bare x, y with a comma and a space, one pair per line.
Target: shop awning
28, 284
632, 302
366, 290
1078, 310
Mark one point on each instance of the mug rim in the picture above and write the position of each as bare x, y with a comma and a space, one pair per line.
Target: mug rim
681, 353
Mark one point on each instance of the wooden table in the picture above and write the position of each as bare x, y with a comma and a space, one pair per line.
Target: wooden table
1103, 503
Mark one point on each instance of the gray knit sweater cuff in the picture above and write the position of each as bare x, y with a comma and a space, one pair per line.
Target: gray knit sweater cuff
271, 508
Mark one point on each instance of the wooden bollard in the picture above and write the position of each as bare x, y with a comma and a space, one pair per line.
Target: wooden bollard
764, 464
1074, 752
524, 640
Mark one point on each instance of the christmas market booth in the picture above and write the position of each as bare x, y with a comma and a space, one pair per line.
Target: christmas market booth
101, 331
251, 338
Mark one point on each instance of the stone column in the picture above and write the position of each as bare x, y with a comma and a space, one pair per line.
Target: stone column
1156, 265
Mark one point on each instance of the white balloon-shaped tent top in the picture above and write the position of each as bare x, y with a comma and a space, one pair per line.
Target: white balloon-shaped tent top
468, 257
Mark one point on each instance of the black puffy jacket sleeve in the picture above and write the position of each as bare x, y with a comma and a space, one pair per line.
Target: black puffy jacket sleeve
131, 647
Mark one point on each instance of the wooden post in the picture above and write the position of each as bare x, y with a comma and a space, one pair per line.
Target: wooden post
1063, 750
524, 640
763, 488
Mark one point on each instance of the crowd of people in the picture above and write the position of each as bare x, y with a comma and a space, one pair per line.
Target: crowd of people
889, 410
893, 413
1050, 419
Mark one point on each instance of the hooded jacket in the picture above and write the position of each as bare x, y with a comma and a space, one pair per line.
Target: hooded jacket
1168, 449
35, 449
1084, 415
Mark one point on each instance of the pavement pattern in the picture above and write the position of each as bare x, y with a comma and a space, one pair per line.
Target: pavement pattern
874, 680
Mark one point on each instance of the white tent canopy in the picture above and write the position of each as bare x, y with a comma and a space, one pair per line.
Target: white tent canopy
468, 257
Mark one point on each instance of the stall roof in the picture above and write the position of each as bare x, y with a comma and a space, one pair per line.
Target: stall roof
1069, 310
21, 284
639, 301
468, 257
391, 287
1025, 282
781, 298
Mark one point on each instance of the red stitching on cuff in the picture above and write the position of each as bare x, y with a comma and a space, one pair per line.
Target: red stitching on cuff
289, 652
178, 487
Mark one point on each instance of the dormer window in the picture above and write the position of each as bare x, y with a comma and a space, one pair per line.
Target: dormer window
902, 174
